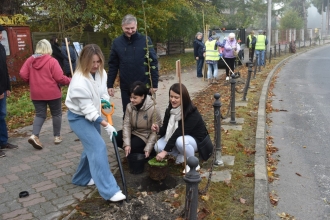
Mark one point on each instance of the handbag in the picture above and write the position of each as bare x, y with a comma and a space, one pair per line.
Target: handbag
205, 148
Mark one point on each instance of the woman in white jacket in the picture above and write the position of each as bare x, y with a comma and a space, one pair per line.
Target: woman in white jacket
87, 88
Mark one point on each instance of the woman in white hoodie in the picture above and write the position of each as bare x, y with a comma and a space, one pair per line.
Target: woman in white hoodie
87, 89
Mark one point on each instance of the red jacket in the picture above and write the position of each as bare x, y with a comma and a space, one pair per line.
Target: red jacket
44, 75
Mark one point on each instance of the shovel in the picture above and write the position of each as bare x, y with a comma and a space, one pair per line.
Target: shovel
108, 115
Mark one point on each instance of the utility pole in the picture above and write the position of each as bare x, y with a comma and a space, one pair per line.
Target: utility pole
269, 25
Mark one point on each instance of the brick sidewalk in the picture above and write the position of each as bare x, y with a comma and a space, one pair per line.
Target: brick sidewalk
46, 174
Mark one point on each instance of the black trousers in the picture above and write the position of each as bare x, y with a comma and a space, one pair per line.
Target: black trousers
231, 64
251, 53
137, 144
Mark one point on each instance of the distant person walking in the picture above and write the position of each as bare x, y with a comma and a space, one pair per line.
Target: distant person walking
4, 93
251, 44
199, 53
44, 75
128, 55
212, 57
73, 57
261, 47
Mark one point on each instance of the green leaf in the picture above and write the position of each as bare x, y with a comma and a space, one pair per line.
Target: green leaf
147, 73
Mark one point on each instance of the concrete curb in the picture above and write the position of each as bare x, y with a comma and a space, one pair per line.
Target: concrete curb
261, 196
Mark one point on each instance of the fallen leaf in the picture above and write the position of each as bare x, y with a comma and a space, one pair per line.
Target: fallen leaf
242, 200
298, 174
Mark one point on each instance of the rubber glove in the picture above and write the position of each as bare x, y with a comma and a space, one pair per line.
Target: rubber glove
220, 55
105, 104
110, 130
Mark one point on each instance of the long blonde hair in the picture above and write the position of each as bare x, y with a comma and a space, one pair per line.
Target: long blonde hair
85, 60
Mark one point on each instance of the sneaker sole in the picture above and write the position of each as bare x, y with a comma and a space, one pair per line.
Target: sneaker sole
57, 142
36, 146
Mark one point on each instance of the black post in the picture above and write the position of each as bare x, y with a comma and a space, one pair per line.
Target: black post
279, 49
247, 83
319, 41
299, 43
255, 68
304, 42
285, 49
265, 57
192, 179
270, 55
275, 51
310, 41
232, 95
217, 128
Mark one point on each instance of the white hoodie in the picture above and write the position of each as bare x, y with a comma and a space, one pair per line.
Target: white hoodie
84, 95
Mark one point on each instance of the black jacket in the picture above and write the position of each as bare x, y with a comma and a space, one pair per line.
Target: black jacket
199, 48
253, 42
4, 76
57, 54
73, 57
128, 56
193, 125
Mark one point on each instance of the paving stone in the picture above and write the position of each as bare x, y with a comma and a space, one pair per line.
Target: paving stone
232, 127
15, 213
52, 215
63, 201
227, 121
219, 176
228, 160
3, 207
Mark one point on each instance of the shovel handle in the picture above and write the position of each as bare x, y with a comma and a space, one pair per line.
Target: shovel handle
108, 115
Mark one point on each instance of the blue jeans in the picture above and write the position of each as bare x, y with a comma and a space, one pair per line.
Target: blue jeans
3, 125
94, 158
261, 57
213, 67
200, 63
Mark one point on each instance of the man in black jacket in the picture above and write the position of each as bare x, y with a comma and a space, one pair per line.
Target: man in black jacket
251, 44
4, 92
128, 55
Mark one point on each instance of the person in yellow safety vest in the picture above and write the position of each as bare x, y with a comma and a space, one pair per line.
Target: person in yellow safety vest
213, 53
251, 44
260, 48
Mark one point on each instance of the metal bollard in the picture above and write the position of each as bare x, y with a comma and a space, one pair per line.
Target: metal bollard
270, 55
275, 51
247, 83
304, 43
217, 127
310, 42
279, 49
285, 49
319, 41
192, 179
299, 43
255, 67
232, 101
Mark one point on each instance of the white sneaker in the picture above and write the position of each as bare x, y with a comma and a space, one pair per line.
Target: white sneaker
34, 141
91, 183
179, 159
188, 169
57, 139
117, 197
227, 78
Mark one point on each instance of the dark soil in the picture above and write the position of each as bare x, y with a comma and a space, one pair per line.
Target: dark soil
148, 199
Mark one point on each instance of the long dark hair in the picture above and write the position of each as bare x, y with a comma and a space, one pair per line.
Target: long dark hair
187, 104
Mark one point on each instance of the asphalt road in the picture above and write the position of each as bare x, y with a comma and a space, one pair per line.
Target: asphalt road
301, 132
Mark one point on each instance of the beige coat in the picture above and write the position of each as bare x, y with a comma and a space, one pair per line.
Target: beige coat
139, 123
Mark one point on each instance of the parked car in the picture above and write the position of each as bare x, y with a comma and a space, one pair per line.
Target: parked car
240, 36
